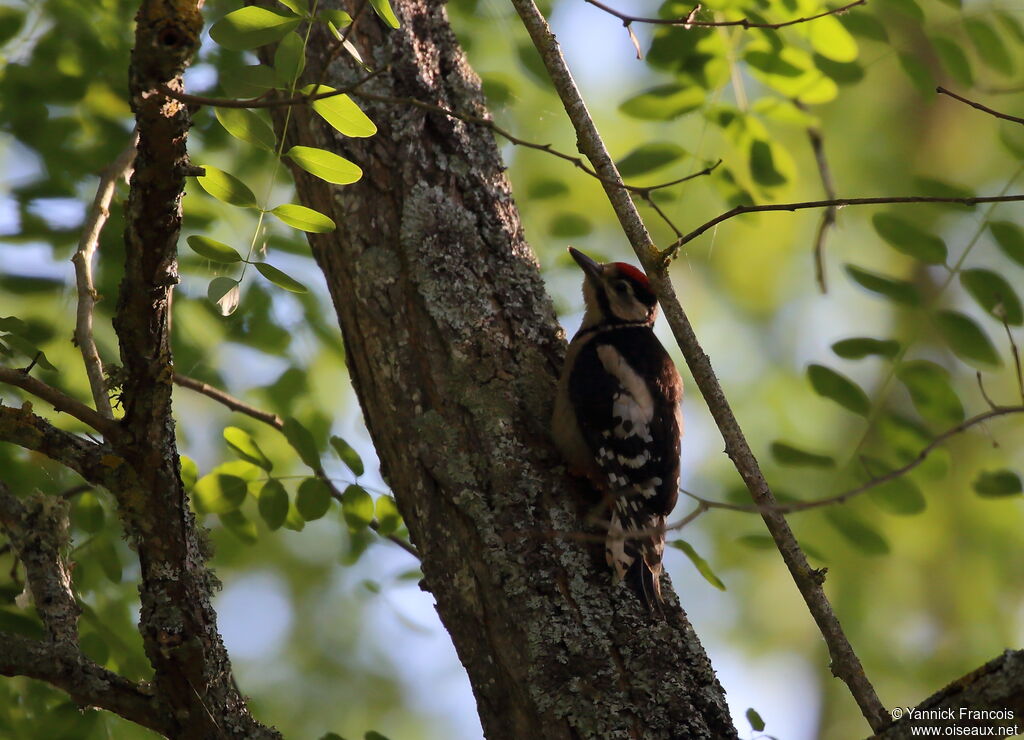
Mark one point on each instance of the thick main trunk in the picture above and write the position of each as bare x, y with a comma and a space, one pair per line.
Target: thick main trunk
453, 348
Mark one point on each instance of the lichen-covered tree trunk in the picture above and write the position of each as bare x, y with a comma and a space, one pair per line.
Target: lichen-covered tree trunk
453, 348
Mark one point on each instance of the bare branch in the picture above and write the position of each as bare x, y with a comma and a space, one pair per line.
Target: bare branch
1016, 360
60, 401
974, 104
87, 683
97, 463
840, 202
688, 21
37, 527
82, 259
845, 663
228, 400
789, 508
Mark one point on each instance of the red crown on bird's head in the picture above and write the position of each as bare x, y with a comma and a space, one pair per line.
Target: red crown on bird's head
627, 270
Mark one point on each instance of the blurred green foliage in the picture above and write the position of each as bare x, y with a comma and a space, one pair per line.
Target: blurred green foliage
832, 390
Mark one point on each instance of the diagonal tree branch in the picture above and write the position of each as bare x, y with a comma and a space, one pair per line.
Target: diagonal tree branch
37, 527
60, 401
845, 663
87, 296
87, 683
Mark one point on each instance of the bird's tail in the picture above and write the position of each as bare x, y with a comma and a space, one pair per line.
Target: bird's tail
635, 553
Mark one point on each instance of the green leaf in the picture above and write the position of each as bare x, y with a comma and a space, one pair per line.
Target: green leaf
545, 188
110, 562
87, 512
786, 454
388, 518
994, 294
246, 447
663, 103
908, 8
213, 250
341, 112
304, 219
903, 437
219, 493
331, 736
829, 38
299, 7
300, 438
919, 74
931, 392
189, 472
830, 384
569, 225
325, 165
968, 341
700, 563
1010, 239
756, 723
857, 348
954, 60
348, 456
899, 496
764, 163
383, 9
224, 293
997, 483
246, 126
239, 525
278, 278
273, 503
899, 291
649, 157
357, 507
313, 499
756, 541
249, 82
250, 27
21, 624
226, 187
989, 45
29, 350
864, 25
858, 533
373, 735
909, 239
339, 18
290, 58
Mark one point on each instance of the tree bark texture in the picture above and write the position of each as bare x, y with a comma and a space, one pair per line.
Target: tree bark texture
453, 348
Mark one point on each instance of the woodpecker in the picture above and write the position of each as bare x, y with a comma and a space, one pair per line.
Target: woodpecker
618, 422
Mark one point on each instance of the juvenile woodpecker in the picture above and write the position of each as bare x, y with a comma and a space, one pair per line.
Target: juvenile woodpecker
617, 419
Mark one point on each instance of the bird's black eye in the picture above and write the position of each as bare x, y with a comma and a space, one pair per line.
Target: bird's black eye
621, 287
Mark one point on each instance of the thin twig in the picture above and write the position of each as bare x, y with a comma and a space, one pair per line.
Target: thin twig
687, 21
828, 218
1016, 360
974, 104
489, 124
340, 44
840, 202
60, 401
845, 663
984, 394
226, 399
235, 404
795, 506
263, 101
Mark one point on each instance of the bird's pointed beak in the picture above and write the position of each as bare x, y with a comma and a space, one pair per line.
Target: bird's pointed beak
589, 266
